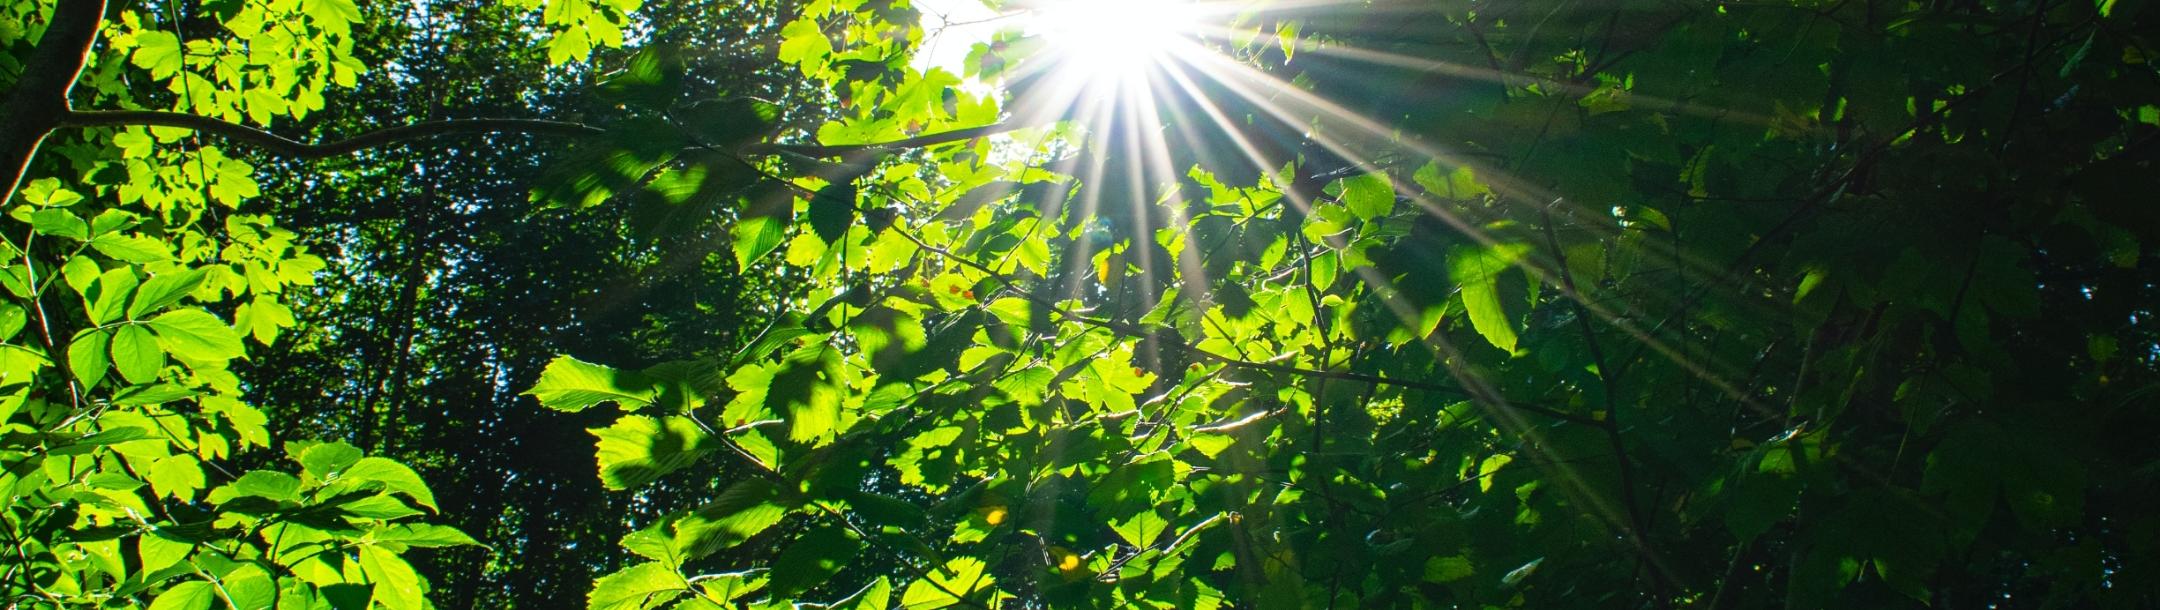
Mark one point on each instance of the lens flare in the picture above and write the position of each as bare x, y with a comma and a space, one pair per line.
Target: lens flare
1113, 39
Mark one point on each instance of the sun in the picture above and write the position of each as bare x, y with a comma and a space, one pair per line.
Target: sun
1120, 40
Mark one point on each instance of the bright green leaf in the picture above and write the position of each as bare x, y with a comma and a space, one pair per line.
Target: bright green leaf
423, 535
397, 586
194, 334
1369, 196
1477, 269
165, 289
88, 357
573, 385
190, 595
638, 450
325, 459
177, 476
947, 586
131, 248
395, 477
742, 511
136, 353
269, 484
639, 587
157, 551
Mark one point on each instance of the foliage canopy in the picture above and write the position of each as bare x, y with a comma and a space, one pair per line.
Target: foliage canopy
1381, 303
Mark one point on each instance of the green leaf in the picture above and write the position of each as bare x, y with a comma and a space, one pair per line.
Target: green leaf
378, 507
249, 588
194, 334
108, 296
1477, 270
88, 357
639, 587
1757, 501
334, 15
1448, 569
1211, 444
755, 237
158, 551
1141, 529
1461, 183
48, 192
877, 596
947, 586
165, 289
397, 586
742, 511
832, 211
395, 478
653, 542
570, 45
1369, 196
803, 42
178, 476
131, 248
59, 223
136, 353
651, 79
1286, 36
423, 535
19, 365
12, 319
264, 318
638, 450
812, 559
573, 385
322, 460
152, 394
731, 122
806, 389
114, 219
190, 595
269, 484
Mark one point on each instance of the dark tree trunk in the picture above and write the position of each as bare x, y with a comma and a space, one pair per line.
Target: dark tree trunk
38, 103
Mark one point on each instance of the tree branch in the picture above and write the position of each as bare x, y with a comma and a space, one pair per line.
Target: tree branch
39, 100
293, 148
921, 141
421, 131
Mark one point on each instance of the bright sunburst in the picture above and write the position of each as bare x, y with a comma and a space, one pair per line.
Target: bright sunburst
1161, 86
1099, 40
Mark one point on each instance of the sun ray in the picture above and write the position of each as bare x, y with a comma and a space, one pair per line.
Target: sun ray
1124, 85
1225, 70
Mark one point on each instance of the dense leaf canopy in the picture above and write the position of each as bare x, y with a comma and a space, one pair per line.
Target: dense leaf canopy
701, 304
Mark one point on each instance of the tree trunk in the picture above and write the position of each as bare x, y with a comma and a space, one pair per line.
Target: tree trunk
39, 102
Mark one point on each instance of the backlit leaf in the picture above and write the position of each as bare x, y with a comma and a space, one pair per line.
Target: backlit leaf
638, 450
569, 384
